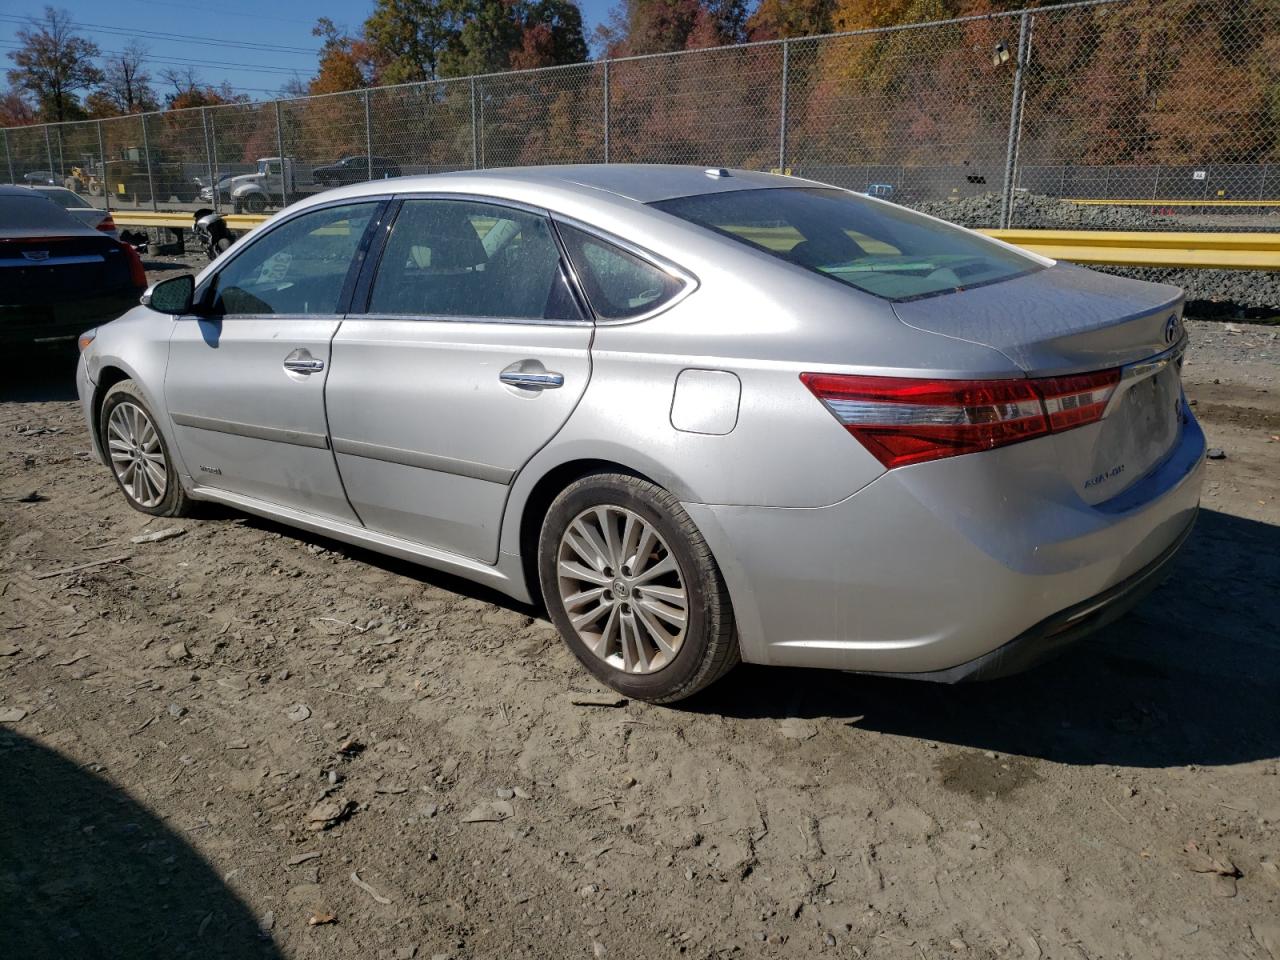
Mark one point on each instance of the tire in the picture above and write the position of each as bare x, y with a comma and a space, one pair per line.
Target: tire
255, 204
619, 646
122, 419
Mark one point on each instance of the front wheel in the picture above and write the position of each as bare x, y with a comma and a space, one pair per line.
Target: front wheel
255, 203
136, 452
634, 590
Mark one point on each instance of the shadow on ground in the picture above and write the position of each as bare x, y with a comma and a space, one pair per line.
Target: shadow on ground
85, 871
39, 375
1192, 676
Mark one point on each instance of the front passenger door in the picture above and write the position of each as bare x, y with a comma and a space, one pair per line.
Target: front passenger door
245, 380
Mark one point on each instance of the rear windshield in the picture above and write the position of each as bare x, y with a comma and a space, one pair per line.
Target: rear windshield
65, 199
19, 213
877, 247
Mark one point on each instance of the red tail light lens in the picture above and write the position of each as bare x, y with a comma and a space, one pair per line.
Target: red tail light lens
107, 224
1075, 401
902, 421
137, 273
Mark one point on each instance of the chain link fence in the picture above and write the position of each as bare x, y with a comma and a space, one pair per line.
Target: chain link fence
1119, 114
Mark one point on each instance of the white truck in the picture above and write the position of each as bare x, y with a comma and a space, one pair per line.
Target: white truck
276, 182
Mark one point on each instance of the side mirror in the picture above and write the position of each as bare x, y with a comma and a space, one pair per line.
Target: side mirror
172, 296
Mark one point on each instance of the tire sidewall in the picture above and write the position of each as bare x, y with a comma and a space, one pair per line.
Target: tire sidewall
613, 490
126, 392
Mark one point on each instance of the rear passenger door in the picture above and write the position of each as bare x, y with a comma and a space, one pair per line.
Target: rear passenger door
462, 355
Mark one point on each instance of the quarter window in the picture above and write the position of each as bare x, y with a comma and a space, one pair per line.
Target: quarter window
299, 268
618, 284
461, 258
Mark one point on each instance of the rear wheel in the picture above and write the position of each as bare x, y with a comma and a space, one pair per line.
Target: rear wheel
137, 454
634, 590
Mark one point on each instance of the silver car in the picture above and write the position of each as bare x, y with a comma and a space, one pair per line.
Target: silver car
703, 415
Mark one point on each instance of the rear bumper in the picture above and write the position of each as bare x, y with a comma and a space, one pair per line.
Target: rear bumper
950, 570
53, 323
1055, 633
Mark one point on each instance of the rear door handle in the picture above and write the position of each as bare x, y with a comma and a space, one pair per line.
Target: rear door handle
532, 381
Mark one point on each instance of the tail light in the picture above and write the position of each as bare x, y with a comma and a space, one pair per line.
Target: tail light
902, 421
107, 224
137, 273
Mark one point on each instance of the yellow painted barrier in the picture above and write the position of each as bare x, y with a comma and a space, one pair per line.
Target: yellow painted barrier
183, 221
1231, 251
1096, 202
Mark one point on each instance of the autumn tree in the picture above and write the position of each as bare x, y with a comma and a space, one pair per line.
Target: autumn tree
408, 38
125, 87
188, 91
780, 19
664, 26
53, 63
15, 111
345, 61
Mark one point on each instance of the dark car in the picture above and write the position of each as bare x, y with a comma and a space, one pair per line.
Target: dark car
44, 177
58, 277
356, 170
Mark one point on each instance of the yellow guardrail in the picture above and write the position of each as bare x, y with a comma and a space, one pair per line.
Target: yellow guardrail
146, 218
1098, 202
1233, 251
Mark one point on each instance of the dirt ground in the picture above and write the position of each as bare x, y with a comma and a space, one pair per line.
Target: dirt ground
249, 742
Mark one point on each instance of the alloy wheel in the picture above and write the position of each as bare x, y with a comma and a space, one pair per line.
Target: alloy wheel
622, 589
137, 456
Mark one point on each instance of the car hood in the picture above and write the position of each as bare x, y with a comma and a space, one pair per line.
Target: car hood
1062, 319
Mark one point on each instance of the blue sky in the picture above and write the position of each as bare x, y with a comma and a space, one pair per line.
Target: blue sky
252, 69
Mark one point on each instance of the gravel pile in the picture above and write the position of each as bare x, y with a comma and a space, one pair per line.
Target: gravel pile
1242, 294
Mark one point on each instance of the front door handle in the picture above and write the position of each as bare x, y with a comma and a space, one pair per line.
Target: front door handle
302, 362
532, 381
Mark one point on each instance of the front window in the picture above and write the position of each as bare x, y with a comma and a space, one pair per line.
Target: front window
878, 248
299, 268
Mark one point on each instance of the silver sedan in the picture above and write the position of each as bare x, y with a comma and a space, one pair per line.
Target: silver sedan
702, 415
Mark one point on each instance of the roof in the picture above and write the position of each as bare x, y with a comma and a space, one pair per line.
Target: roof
642, 182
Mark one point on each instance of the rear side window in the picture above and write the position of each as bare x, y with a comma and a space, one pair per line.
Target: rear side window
618, 284
461, 258
299, 268
876, 247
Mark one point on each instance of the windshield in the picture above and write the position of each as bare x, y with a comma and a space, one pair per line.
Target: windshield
879, 248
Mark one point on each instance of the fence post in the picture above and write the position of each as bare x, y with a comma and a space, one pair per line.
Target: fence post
206, 124
606, 111
782, 113
284, 189
368, 133
8, 157
146, 152
102, 168
62, 161
48, 147
475, 157
1015, 121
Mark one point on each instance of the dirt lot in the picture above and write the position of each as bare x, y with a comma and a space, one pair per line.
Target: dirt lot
175, 727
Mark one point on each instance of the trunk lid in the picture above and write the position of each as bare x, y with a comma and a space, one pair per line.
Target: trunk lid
1066, 320
58, 269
